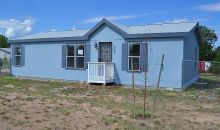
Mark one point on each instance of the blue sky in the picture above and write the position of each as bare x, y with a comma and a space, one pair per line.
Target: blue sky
24, 17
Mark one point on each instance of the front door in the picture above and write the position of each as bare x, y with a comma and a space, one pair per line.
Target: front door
105, 52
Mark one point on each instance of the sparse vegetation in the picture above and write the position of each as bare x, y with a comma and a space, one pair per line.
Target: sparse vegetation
28, 104
6, 63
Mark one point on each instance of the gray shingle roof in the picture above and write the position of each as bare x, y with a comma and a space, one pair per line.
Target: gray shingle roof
163, 28
55, 34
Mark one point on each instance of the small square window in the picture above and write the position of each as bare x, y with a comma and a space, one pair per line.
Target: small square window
18, 60
70, 50
135, 63
70, 62
80, 62
17, 51
134, 50
80, 50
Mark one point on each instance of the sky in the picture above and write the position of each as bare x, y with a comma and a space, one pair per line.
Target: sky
23, 17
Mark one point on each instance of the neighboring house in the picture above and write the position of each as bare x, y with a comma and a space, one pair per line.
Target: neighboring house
5, 53
109, 50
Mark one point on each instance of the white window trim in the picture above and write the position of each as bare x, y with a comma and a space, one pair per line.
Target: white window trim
17, 55
75, 56
134, 56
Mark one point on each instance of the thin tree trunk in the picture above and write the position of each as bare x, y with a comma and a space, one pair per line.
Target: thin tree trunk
145, 89
133, 88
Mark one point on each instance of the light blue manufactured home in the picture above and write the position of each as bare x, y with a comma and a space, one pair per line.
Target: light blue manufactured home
108, 52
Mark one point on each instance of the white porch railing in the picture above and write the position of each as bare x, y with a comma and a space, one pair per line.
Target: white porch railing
100, 72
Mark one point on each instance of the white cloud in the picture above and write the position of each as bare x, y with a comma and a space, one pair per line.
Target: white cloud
53, 30
210, 7
74, 27
121, 17
179, 20
13, 27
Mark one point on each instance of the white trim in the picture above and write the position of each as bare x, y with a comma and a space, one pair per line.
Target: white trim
104, 41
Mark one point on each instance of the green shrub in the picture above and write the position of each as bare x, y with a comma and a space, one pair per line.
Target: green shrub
218, 92
215, 68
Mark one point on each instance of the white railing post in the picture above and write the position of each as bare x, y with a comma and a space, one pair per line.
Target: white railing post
104, 76
88, 73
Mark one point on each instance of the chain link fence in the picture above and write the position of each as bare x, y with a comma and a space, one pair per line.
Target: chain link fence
210, 70
209, 67
4, 66
208, 73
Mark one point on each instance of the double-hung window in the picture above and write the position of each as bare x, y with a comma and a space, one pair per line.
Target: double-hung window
75, 57
17, 55
134, 56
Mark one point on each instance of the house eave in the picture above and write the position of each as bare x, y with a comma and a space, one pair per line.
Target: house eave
86, 38
156, 35
48, 40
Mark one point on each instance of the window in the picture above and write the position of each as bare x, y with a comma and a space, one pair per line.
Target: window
134, 56
75, 56
17, 55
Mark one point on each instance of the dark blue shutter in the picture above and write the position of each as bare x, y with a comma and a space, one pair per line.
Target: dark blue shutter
144, 57
13, 55
22, 55
64, 56
124, 56
87, 54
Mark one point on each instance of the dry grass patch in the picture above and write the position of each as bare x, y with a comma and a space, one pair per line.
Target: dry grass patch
27, 104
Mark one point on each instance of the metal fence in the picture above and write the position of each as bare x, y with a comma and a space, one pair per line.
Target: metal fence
210, 70
209, 67
4, 66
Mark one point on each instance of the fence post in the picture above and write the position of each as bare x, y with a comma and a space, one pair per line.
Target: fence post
183, 75
158, 82
0, 65
145, 89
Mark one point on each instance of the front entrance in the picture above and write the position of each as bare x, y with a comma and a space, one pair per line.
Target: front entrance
103, 70
105, 52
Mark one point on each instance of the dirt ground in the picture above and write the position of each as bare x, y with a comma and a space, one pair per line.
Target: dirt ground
42, 105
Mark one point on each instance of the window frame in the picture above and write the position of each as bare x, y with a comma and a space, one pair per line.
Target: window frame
129, 56
15, 56
75, 56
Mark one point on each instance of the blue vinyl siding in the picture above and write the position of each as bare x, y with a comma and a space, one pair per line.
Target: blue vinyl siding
44, 60
190, 73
